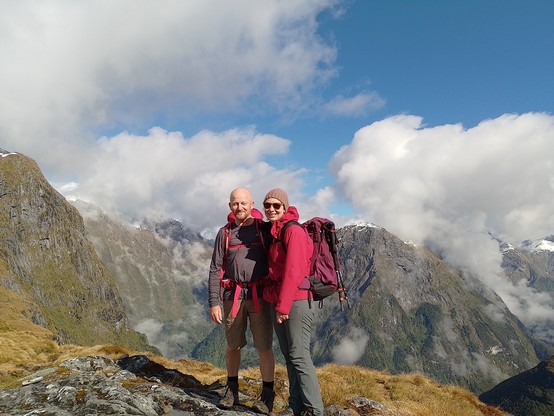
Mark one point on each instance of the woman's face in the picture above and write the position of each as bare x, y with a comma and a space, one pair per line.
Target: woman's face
274, 209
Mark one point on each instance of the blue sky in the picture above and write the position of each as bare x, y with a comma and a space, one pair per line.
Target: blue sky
448, 62
433, 119
293, 81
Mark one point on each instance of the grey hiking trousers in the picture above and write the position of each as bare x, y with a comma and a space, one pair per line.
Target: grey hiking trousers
294, 337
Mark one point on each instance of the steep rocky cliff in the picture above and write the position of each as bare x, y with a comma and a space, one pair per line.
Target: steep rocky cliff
47, 263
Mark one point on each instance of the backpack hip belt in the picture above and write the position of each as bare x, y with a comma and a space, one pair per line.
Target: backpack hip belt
238, 287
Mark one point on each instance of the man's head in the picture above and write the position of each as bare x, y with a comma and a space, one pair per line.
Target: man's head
240, 203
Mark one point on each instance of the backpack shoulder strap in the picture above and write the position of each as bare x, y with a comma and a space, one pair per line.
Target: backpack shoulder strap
227, 239
282, 234
225, 246
260, 233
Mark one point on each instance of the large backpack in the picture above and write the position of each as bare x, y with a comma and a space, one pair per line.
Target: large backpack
325, 268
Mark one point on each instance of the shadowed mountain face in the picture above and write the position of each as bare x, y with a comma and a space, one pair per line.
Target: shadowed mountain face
530, 393
49, 265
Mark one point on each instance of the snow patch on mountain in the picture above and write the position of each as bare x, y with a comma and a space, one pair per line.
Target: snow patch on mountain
546, 244
360, 224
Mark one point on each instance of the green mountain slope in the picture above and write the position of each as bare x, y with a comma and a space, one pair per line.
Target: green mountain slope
161, 272
411, 312
47, 261
530, 393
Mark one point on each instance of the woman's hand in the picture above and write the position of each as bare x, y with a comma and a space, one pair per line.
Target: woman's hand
281, 317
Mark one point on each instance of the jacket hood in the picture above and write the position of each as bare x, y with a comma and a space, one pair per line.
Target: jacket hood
290, 215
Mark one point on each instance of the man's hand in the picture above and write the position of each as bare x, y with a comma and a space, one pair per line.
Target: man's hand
217, 316
281, 317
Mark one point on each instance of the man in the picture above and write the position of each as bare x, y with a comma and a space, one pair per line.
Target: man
239, 264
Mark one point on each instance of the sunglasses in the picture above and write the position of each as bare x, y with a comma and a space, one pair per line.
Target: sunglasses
276, 205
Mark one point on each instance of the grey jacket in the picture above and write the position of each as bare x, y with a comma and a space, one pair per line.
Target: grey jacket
245, 262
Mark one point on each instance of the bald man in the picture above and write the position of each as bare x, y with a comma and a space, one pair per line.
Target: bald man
240, 251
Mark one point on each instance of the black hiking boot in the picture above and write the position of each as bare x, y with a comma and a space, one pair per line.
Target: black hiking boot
265, 404
231, 395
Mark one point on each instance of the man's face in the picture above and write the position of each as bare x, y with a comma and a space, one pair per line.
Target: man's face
241, 205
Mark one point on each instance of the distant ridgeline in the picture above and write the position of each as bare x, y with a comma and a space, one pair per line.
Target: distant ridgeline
530, 393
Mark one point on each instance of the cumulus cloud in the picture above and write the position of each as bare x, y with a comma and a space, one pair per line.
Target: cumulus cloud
351, 348
458, 189
497, 176
73, 69
163, 174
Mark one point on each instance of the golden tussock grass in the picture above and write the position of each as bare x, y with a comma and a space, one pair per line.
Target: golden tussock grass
406, 395
26, 347
23, 352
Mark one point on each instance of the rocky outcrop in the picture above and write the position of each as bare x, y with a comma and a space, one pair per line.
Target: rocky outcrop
131, 386
46, 260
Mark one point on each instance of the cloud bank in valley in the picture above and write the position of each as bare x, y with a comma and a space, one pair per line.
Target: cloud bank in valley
351, 347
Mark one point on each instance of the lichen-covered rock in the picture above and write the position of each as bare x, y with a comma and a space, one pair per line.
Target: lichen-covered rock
86, 386
98, 386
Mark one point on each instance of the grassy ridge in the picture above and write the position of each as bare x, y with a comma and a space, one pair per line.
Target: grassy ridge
26, 347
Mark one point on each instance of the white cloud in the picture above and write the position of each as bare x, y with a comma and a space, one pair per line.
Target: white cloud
72, 69
154, 331
415, 181
359, 104
194, 259
164, 175
351, 347
450, 188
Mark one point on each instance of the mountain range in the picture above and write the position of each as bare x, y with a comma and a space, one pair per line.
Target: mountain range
92, 277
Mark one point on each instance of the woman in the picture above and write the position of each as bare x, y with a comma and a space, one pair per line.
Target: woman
289, 265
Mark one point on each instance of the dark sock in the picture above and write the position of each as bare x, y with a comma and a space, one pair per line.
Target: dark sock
233, 379
268, 384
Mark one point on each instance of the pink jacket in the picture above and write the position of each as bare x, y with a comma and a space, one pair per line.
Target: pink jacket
287, 270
